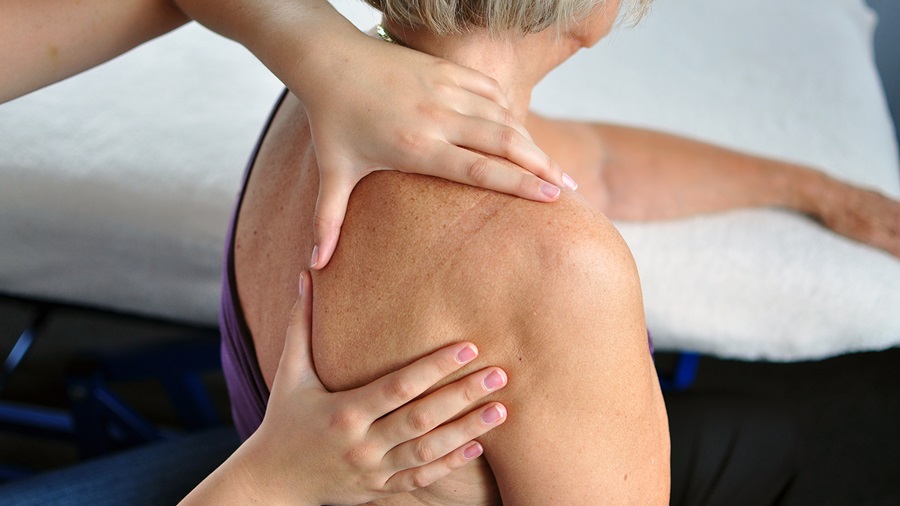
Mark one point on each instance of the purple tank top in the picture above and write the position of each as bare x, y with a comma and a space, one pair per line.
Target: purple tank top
246, 386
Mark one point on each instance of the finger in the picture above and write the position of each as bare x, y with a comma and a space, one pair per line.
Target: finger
480, 84
467, 167
296, 362
396, 389
423, 476
496, 138
417, 418
331, 207
469, 104
435, 445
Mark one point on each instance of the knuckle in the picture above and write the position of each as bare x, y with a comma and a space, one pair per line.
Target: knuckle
413, 142
509, 139
505, 117
424, 452
443, 89
551, 168
401, 389
326, 224
495, 85
455, 463
472, 428
421, 480
477, 170
528, 185
446, 367
420, 420
473, 393
358, 456
430, 111
346, 419
443, 65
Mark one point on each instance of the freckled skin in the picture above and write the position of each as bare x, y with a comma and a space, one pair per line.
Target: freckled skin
549, 292
546, 291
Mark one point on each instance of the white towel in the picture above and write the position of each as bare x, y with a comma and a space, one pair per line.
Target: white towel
116, 186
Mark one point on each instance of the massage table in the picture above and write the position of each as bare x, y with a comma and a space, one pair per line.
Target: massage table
116, 186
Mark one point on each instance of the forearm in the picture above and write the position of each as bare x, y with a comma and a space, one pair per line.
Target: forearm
291, 37
242, 479
228, 484
655, 176
43, 41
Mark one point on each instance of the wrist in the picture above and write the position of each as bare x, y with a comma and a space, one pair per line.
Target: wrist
804, 189
268, 479
233, 482
302, 43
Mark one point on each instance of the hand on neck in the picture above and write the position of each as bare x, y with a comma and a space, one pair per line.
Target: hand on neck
517, 62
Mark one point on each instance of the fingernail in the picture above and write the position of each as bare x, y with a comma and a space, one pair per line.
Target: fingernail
466, 354
473, 451
569, 182
549, 190
493, 381
300, 292
315, 256
491, 414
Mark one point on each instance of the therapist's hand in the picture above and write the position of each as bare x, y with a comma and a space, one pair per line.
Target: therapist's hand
317, 447
394, 108
373, 105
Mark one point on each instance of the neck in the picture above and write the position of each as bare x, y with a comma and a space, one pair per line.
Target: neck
518, 63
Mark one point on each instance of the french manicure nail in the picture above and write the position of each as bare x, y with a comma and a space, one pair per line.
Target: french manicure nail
493, 381
549, 190
472, 451
466, 354
569, 182
491, 414
315, 256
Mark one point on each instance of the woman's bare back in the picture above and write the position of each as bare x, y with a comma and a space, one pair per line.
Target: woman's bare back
424, 262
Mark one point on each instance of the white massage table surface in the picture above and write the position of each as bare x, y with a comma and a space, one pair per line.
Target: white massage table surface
116, 186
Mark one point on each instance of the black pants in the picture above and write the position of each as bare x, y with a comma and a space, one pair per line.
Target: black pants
153, 475
730, 450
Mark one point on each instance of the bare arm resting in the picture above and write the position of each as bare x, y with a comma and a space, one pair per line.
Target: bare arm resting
643, 175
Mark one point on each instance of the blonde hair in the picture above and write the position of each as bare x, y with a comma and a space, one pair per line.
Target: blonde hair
445, 17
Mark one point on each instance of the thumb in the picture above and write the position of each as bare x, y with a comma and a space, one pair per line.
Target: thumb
296, 360
331, 207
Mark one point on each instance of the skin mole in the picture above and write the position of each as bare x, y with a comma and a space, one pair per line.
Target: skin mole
53, 53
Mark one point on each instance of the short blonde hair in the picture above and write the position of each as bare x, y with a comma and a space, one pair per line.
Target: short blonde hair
445, 17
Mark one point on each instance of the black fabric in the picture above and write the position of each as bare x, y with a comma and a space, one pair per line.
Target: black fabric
730, 451
156, 474
725, 451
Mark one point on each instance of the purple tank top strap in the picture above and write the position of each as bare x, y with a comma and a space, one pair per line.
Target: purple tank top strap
246, 386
